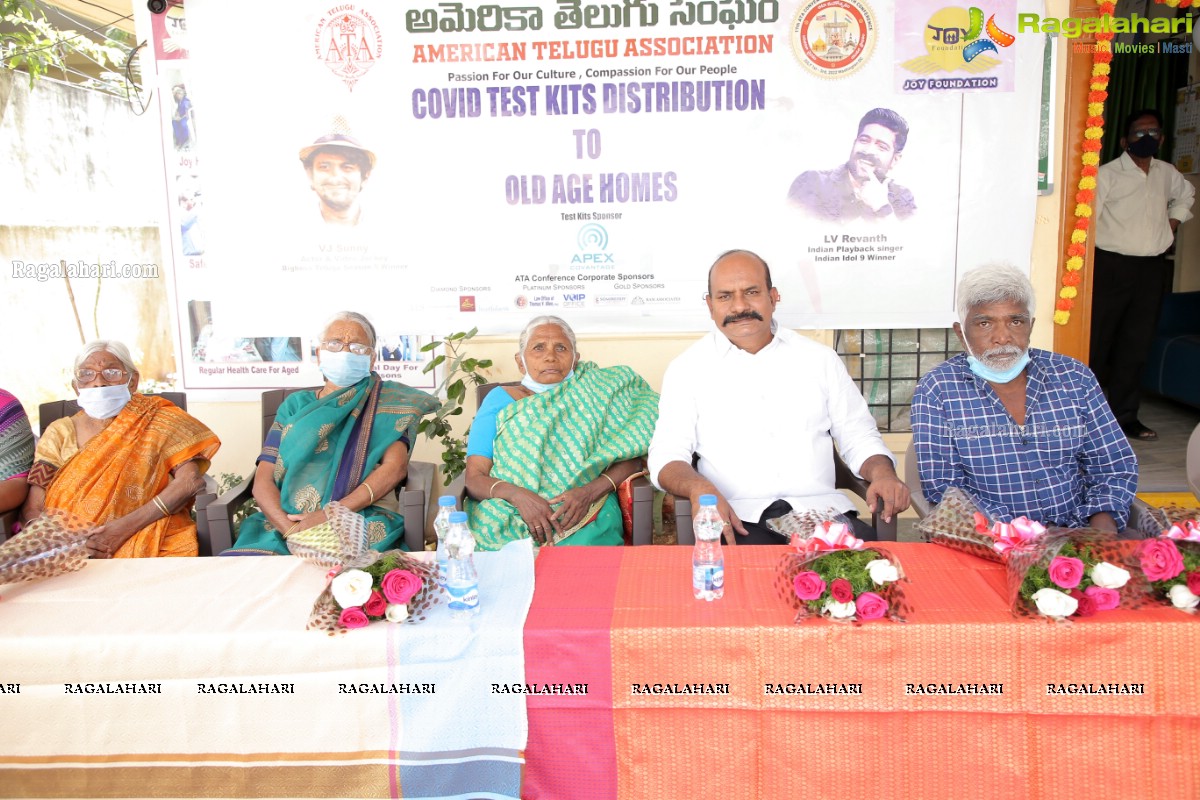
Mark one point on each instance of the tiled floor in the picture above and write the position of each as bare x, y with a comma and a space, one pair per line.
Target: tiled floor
1162, 464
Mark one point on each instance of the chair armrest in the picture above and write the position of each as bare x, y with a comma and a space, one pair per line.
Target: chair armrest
221, 513
683, 521
203, 534
7, 520
643, 510
919, 503
1145, 519
417, 489
843, 478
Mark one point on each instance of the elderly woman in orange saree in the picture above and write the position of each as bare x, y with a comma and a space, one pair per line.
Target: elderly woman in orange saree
129, 463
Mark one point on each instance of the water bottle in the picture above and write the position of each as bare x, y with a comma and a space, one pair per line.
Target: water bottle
462, 581
441, 526
708, 564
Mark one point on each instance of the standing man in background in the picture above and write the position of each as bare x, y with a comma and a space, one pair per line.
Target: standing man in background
1140, 202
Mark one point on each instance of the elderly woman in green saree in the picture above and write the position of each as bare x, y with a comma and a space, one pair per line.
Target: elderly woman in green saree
544, 459
348, 441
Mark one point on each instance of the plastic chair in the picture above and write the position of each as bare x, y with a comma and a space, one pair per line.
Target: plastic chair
1193, 462
411, 494
57, 409
643, 490
843, 479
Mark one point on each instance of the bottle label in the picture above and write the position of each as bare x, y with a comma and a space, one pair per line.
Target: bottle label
463, 598
708, 578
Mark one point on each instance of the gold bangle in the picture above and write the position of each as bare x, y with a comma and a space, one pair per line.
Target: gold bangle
610, 480
493, 489
370, 491
162, 506
291, 530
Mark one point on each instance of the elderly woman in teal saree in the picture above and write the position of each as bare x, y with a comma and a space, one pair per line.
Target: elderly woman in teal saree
349, 441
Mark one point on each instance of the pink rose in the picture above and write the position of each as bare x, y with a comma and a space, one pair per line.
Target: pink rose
376, 606
841, 591
808, 585
1160, 559
1105, 599
353, 617
1193, 581
1066, 572
1087, 606
400, 585
870, 606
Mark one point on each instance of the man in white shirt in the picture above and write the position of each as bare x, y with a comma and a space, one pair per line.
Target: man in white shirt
1140, 201
761, 408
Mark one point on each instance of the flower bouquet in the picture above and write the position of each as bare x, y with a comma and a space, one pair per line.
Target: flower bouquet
833, 574
957, 523
54, 543
1070, 574
1171, 564
364, 585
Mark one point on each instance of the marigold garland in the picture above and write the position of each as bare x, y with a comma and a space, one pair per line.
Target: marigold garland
1090, 160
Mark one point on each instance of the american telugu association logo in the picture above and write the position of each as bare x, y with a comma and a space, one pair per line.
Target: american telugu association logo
833, 38
349, 42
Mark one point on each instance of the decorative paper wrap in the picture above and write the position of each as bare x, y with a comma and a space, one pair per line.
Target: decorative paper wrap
1171, 566
53, 544
341, 542
1028, 570
1177, 515
801, 523
830, 554
326, 612
953, 523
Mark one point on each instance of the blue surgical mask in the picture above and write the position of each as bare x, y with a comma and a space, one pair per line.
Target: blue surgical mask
994, 375
537, 388
344, 368
104, 402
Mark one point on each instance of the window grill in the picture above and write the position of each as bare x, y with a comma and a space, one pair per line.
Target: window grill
886, 364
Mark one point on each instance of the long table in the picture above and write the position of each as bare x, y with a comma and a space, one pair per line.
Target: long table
602, 622
625, 620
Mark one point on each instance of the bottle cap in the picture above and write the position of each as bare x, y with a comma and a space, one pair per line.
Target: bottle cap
447, 500
708, 499
458, 516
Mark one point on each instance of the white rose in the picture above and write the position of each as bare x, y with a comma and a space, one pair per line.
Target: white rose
1109, 576
396, 612
839, 610
882, 571
1054, 603
351, 588
1182, 597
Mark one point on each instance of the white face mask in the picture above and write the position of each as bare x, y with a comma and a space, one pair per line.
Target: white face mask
529, 383
104, 402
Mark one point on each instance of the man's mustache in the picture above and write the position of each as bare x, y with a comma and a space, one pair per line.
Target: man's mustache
732, 318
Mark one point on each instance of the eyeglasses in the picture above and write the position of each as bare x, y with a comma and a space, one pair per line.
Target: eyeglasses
335, 346
1154, 132
110, 375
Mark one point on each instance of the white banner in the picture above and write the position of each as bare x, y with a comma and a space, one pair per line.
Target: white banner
444, 166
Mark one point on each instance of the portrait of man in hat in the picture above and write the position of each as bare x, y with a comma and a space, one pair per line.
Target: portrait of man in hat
338, 167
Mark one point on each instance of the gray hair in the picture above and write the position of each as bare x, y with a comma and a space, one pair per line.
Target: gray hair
351, 316
993, 283
545, 319
104, 346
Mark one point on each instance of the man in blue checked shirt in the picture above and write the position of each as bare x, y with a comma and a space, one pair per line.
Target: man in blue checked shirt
1025, 432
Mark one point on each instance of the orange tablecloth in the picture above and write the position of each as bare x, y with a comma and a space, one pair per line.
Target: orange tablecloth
629, 614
